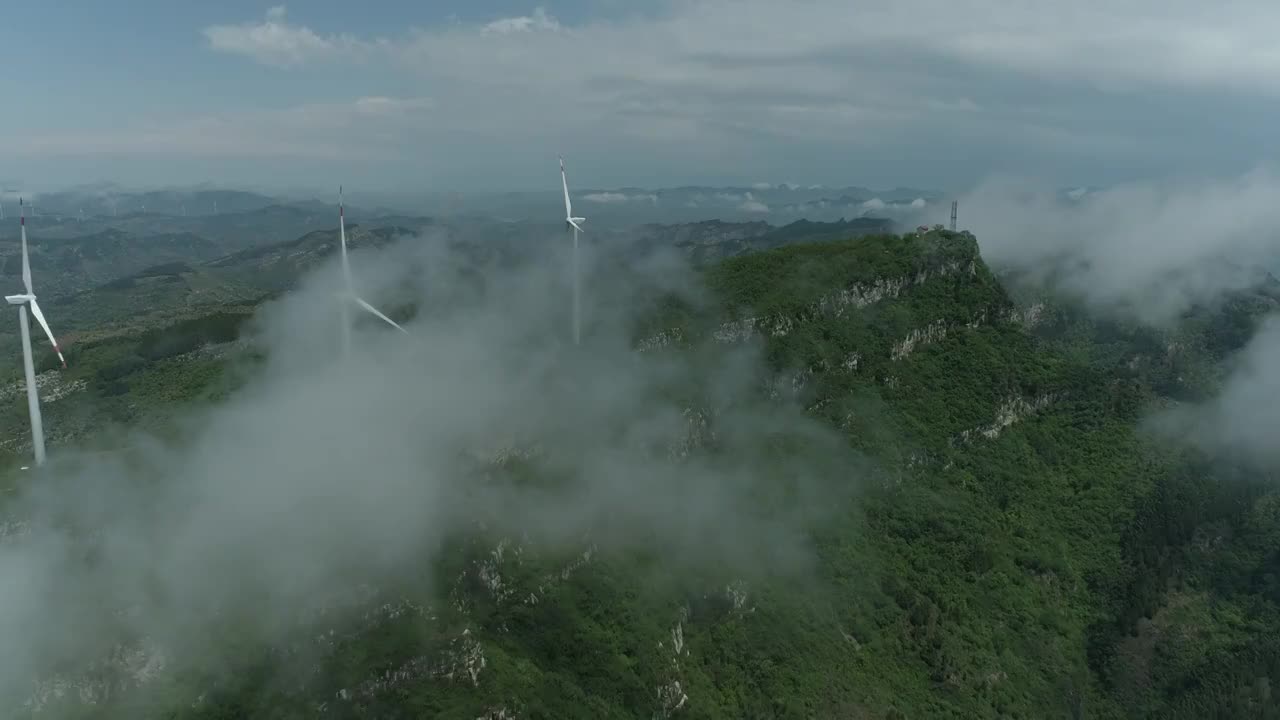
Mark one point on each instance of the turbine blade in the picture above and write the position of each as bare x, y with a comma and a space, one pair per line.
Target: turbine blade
35, 310
568, 206
378, 313
26, 261
576, 226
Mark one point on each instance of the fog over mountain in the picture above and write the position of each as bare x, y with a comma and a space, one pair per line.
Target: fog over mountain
323, 472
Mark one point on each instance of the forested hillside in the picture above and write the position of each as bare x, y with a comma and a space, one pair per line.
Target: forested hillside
938, 503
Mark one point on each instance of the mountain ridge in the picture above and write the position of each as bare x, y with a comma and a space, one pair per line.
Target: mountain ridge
979, 431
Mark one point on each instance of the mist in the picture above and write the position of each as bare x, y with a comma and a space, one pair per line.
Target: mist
321, 473
1148, 251
1239, 422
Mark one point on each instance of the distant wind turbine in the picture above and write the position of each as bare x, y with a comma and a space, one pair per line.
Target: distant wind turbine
574, 225
23, 301
349, 291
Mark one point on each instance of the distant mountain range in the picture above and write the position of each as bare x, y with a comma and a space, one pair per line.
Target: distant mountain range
619, 206
209, 212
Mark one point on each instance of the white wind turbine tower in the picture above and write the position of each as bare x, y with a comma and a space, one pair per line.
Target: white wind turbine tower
348, 294
23, 301
574, 226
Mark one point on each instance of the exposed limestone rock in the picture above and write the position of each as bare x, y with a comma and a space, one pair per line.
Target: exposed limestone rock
858, 296
918, 459
49, 386
1012, 410
932, 332
834, 304
499, 452
14, 530
698, 433
549, 580
491, 576
779, 325
737, 593
463, 660
213, 351
800, 379
820, 404
670, 699
663, 339
1028, 317
736, 330
123, 668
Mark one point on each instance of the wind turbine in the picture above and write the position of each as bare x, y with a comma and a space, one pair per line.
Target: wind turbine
574, 226
22, 301
349, 291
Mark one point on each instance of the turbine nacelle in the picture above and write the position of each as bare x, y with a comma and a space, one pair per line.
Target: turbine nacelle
29, 300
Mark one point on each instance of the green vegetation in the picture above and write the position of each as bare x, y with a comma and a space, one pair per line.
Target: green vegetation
1020, 549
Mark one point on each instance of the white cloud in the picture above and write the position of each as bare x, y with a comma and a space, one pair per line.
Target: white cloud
614, 198
830, 72
540, 20
874, 204
275, 42
751, 205
745, 88
1239, 422
1147, 250
382, 105
1180, 43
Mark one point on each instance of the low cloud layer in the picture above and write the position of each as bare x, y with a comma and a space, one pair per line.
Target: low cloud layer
320, 473
1146, 250
1239, 423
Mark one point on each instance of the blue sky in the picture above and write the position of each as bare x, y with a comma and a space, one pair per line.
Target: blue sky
484, 94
